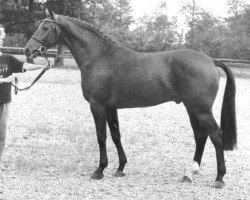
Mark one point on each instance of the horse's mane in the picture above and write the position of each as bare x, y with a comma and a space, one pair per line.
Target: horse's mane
84, 25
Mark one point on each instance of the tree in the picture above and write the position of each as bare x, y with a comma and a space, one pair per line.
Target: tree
20, 16
235, 6
156, 33
90, 10
66, 7
114, 19
193, 13
207, 34
237, 38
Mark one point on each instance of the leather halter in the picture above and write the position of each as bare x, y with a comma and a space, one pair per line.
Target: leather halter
42, 49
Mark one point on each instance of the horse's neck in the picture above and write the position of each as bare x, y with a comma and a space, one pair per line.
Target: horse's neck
81, 55
84, 45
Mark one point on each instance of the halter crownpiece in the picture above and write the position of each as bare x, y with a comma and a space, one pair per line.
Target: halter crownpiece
50, 20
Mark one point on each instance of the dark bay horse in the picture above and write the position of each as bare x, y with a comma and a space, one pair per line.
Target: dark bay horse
114, 77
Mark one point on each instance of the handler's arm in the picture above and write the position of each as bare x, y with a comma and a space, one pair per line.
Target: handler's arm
8, 79
32, 67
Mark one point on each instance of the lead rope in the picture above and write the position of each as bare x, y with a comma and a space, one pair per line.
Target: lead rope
15, 85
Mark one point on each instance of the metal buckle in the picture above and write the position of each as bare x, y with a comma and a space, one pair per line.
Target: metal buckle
42, 49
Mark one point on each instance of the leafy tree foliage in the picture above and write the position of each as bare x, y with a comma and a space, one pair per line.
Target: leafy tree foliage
114, 19
17, 17
193, 14
237, 38
229, 38
207, 35
156, 33
235, 6
66, 7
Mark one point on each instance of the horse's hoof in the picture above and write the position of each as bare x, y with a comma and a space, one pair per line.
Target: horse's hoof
218, 184
186, 179
119, 174
97, 175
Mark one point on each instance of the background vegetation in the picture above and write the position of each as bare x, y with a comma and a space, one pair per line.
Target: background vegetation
228, 37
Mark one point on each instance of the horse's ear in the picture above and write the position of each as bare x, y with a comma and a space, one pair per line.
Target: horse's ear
49, 13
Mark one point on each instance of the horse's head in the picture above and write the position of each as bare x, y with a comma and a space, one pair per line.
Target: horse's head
46, 36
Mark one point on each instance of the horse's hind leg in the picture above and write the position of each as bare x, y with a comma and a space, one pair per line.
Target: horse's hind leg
113, 123
200, 141
216, 137
209, 127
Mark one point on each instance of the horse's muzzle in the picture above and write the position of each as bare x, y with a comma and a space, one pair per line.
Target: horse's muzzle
27, 52
30, 54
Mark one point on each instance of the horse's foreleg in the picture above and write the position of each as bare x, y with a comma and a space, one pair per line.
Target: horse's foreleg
113, 123
99, 114
200, 140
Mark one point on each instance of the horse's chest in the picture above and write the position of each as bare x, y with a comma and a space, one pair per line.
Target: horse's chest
96, 87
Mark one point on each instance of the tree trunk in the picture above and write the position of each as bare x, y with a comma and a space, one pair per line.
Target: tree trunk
59, 61
31, 9
192, 24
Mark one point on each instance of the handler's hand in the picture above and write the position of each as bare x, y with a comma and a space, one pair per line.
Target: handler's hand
47, 66
10, 79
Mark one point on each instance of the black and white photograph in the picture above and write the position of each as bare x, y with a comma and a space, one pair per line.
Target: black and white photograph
124, 99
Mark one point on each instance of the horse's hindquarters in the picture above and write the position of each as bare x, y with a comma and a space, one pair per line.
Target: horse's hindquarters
196, 79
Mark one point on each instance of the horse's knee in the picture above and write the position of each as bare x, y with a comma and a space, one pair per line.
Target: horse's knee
116, 137
101, 140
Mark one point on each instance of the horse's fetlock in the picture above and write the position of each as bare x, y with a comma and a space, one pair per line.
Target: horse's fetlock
104, 165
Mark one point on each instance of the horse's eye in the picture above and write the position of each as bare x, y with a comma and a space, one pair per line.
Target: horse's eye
45, 28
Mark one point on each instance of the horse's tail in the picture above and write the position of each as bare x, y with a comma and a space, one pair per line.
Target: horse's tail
228, 117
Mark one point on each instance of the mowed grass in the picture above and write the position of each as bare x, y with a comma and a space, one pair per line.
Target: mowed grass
52, 150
